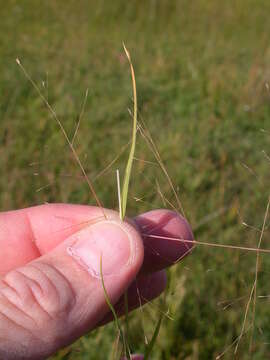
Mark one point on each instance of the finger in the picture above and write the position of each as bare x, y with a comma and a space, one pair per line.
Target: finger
56, 298
28, 233
142, 290
169, 246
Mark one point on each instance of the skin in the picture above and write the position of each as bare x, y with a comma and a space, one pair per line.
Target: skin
50, 295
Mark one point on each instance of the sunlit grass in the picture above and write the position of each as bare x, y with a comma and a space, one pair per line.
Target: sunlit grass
201, 69
133, 142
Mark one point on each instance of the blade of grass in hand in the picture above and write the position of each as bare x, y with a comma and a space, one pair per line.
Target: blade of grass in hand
126, 348
152, 342
133, 142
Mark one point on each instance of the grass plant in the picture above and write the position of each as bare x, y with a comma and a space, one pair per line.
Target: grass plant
202, 78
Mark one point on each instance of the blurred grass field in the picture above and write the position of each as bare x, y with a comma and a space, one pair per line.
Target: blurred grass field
202, 67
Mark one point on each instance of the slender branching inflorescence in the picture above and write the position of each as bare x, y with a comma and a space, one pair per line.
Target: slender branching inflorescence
140, 126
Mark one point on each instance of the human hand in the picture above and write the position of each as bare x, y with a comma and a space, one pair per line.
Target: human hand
50, 283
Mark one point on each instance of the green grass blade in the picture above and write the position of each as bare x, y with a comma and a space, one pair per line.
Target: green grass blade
152, 342
126, 348
119, 195
122, 218
126, 317
133, 142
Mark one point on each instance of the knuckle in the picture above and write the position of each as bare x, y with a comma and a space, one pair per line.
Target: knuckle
35, 303
17, 328
16, 300
40, 291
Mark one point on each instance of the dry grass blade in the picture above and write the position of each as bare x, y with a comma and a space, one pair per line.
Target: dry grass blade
257, 270
218, 357
152, 146
195, 242
133, 142
65, 135
253, 292
107, 168
80, 117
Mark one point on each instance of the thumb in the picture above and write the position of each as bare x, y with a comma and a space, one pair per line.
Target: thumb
55, 299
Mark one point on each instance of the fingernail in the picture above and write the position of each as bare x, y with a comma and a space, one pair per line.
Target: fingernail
106, 240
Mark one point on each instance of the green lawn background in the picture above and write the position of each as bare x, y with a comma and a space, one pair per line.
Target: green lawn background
201, 69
